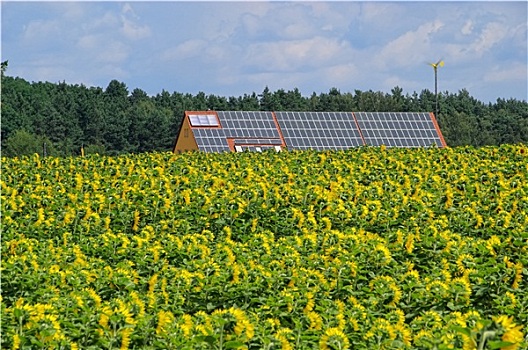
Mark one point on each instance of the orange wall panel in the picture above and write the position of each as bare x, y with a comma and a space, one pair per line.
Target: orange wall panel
185, 141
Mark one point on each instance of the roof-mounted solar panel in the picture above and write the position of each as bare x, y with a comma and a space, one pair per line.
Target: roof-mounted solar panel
257, 141
203, 120
412, 129
319, 130
248, 124
251, 130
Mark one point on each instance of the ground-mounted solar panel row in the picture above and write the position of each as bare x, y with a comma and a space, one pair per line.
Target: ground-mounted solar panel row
256, 130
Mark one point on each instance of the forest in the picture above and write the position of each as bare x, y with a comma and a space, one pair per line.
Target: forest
58, 119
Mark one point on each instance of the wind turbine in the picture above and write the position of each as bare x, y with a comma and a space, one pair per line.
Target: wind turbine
439, 63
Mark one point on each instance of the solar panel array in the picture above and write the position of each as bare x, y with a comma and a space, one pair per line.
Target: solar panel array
255, 130
245, 128
398, 129
211, 140
319, 130
239, 124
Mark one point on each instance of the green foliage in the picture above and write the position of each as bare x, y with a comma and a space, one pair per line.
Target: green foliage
123, 122
3, 67
23, 143
94, 149
369, 248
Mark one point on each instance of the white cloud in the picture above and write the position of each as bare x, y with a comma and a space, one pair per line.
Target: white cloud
218, 54
297, 30
405, 83
382, 14
244, 46
492, 34
339, 74
88, 42
188, 49
410, 48
41, 29
111, 52
227, 76
292, 21
101, 49
456, 52
244, 19
372, 11
513, 72
127, 9
478, 45
134, 31
72, 11
277, 80
129, 28
251, 24
467, 28
49, 72
295, 54
113, 71
105, 22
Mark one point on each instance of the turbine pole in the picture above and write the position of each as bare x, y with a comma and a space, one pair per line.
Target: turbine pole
435, 66
436, 91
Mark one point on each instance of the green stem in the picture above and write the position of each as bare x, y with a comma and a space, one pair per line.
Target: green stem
485, 336
222, 337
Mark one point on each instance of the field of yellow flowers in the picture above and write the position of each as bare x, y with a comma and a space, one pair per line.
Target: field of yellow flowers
369, 248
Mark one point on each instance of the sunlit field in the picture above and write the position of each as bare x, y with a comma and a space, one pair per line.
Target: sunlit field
370, 248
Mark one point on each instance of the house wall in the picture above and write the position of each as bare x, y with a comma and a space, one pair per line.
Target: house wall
185, 141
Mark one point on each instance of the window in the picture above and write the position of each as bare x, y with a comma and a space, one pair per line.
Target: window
203, 120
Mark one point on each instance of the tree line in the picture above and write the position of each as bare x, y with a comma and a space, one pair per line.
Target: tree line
59, 119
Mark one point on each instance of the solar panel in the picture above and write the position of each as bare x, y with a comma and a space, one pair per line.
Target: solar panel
319, 130
260, 130
211, 140
398, 129
251, 130
242, 124
203, 120
251, 141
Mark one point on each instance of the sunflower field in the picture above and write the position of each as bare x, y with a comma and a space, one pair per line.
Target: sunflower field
370, 248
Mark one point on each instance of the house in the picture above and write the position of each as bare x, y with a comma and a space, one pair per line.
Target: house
238, 131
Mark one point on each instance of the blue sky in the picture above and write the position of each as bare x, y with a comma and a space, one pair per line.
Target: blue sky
233, 48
